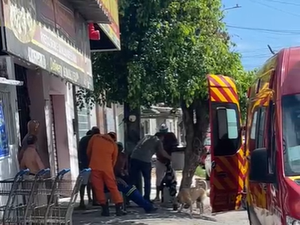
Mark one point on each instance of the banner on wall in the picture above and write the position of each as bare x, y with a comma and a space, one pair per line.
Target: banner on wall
112, 30
4, 149
51, 35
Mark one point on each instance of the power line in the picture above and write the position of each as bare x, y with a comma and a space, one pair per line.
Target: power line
272, 7
266, 30
283, 2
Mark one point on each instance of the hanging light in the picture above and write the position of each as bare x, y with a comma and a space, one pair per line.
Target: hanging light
93, 33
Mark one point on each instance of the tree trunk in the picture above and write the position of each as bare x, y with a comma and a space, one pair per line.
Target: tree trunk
196, 121
132, 135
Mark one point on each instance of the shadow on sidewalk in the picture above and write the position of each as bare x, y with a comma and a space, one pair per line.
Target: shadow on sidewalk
135, 216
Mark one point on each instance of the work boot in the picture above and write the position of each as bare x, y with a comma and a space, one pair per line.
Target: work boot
105, 210
119, 210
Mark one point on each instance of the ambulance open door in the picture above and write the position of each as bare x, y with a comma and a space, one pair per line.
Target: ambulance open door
227, 178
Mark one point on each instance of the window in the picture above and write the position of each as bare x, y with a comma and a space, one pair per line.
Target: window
272, 141
253, 126
226, 129
232, 124
207, 141
261, 128
291, 133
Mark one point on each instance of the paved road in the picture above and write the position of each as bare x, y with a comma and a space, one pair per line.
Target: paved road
164, 217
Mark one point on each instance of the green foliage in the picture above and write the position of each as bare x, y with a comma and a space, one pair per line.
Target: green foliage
184, 44
168, 48
244, 81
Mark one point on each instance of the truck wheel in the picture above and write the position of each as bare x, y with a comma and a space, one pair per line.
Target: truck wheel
206, 176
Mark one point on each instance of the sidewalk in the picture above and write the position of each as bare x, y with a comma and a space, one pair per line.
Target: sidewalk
136, 216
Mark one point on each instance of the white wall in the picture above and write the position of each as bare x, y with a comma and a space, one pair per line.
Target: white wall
119, 117
110, 120
9, 165
93, 116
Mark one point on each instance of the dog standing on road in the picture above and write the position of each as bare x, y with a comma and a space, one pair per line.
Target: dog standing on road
190, 196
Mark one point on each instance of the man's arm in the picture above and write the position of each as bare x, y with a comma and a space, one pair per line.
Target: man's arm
160, 150
39, 161
90, 146
115, 154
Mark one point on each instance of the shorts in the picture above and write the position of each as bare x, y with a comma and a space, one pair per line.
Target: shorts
160, 172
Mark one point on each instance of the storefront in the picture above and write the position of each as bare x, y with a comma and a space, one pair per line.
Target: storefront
102, 116
47, 43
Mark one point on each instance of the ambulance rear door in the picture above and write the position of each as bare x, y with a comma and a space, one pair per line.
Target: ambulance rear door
228, 162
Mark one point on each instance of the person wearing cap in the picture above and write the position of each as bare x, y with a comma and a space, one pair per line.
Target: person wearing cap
170, 142
84, 164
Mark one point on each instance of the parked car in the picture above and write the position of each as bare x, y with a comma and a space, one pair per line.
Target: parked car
207, 143
207, 166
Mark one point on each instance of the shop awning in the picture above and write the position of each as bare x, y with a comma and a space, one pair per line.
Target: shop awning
109, 41
91, 10
11, 82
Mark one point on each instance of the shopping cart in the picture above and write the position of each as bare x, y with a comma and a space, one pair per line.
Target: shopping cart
21, 191
59, 212
47, 188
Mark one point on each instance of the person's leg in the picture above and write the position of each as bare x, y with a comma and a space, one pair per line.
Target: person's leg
81, 193
134, 173
97, 179
160, 172
133, 194
146, 172
110, 182
89, 189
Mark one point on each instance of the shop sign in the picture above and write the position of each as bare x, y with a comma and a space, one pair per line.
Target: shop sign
50, 35
4, 149
112, 30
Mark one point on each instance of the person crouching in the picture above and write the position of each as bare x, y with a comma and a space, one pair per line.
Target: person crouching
130, 191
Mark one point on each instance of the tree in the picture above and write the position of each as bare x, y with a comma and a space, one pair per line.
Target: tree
168, 48
243, 82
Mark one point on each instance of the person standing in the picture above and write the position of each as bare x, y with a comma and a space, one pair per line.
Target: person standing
31, 159
102, 154
141, 160
170, 142
32, 130
84, 164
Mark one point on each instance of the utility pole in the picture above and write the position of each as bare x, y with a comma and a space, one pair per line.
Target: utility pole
237, 6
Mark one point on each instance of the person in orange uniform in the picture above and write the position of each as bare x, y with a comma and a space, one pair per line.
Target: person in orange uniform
102, 152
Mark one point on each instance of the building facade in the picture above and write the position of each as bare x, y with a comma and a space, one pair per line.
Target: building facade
45, 58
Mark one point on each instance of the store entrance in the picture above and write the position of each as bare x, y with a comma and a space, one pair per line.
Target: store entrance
23, 100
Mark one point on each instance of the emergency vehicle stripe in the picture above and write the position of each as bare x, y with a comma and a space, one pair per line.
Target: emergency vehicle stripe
223, 89
230, 90
228, 93
231, 179
217, 184
218, 94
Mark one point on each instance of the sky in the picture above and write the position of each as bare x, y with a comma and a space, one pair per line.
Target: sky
259, 23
